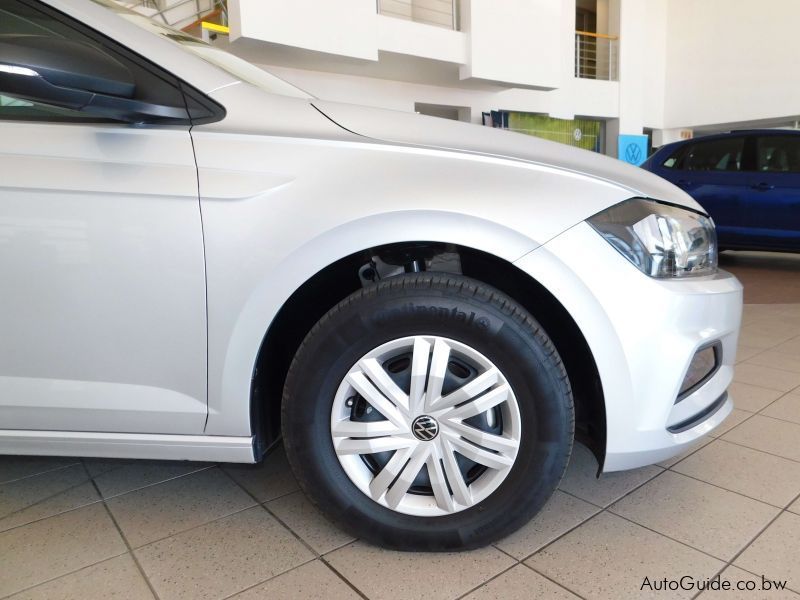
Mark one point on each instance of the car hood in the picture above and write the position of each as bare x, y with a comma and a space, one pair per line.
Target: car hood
432, 132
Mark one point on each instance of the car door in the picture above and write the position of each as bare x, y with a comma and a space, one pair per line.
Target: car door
711, 172
772, 207
102, 310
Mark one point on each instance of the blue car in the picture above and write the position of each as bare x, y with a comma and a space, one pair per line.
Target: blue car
748, 181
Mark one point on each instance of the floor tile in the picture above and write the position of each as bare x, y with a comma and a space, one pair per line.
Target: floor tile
795, 507
17, 467
746, 471
581, 479
311, 581
753, 338
379, 573
302, 517
266, 480
701, 515
766, 377
56, 546
69, 499
23, 493
96, 466
786, 408
167, 508
769, 435
609, 557
732, 420
222, 558
688, 452
752, 398
561, 513
117, 578
792, 347
520, 583
774, 553
140, 474
744, 352
776, 360
734, 575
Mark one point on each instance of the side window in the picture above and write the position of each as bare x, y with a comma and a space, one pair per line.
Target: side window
717, 155
674, 158
20, 18
778, 154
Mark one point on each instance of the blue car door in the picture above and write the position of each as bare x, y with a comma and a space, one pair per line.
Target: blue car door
772, 205
711, 172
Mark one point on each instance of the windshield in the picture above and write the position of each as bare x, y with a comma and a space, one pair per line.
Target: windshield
237, 67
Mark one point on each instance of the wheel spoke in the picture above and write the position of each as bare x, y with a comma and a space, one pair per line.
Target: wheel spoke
372, 445
480, 404
365, 429
380, 483
399, 488
373, 369
490, 441
438, 371
419, 373
479, 455
438, 481
371, 394
461, 492
475, 387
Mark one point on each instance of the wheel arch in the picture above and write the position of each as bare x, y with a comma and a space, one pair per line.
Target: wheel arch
327, 287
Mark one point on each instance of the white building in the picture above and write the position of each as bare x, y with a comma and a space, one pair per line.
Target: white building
666, 68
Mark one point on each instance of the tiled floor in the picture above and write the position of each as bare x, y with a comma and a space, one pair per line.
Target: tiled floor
91, 528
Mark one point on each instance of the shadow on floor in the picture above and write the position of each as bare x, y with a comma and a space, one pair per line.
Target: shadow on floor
768, 277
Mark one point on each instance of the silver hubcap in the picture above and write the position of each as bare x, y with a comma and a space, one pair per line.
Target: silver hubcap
425, 425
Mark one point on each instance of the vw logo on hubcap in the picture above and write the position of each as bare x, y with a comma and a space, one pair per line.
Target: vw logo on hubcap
425, 428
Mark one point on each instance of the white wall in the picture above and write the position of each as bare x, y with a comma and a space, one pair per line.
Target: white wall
513, 41
729, 61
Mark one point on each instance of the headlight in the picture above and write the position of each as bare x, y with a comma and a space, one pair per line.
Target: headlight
660, 239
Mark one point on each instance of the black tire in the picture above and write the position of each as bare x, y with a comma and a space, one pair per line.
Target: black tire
502, 331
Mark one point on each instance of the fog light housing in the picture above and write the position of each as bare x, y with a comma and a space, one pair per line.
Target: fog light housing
705, 363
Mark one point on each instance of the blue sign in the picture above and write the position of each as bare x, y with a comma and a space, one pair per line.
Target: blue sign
632, 149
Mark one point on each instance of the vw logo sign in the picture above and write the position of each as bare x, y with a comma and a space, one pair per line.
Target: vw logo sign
633, 154
425, 428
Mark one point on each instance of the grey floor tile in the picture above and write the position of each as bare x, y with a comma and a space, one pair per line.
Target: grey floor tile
223, 557
775, 552
165, 509
17, 467
734, 576
769, 435
302, 517
688, 452
609, 557
752, 398
561, 513
701, 515
380, 573
737, 416
114, 579
69, 499
311, 581
786, 408
140, 474
746, 471
581, 479
520, 583
96, 466
266, 480
776, 360
766, 377
56, 546
22, 493
795, 507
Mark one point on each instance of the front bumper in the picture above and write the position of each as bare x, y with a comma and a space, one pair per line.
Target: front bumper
643, 333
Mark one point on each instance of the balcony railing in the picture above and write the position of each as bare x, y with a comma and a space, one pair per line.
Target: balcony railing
596, 56
441, 13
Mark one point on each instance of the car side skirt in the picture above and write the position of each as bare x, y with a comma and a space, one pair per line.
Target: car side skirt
211, 448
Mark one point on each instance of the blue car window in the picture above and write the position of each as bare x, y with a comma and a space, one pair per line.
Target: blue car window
715, 155
778, 154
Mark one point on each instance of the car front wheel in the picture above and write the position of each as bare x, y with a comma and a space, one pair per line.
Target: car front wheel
428, 412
